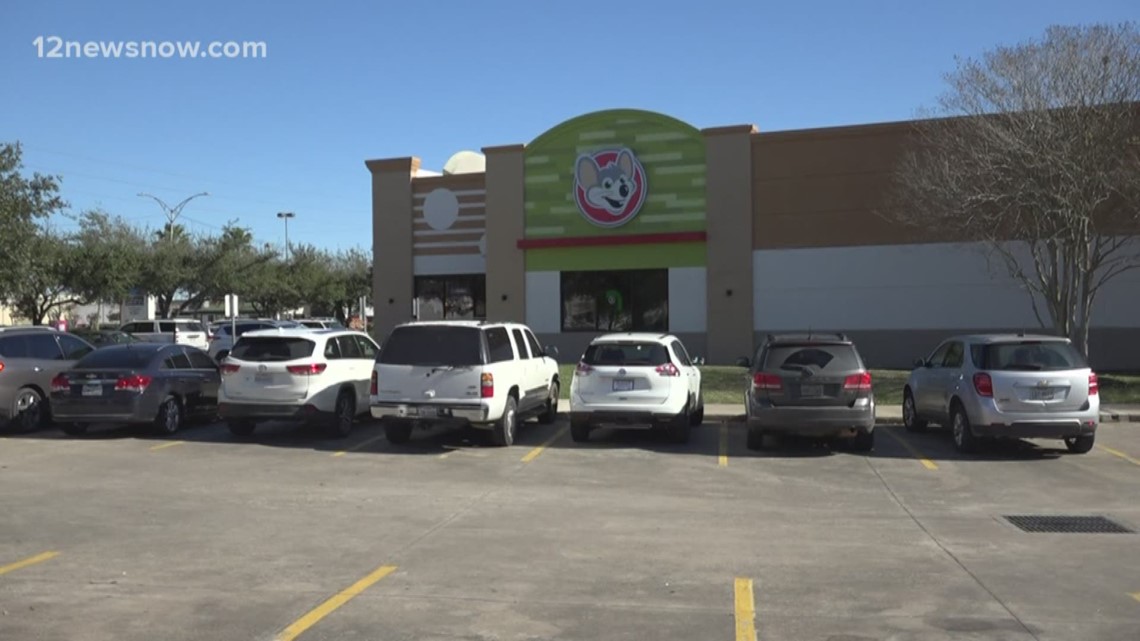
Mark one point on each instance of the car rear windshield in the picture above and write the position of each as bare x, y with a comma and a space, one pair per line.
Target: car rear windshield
272, 348
433, 346
816, 357
626, 353
117, 358
1031, 356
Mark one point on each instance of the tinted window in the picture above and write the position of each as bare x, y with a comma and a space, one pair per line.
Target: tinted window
954, 356
313, 324
272, 348
615, 301
679, 350
332, 349
182, 361
241, 328
444, 297
535, 348
814, 358
44, 346
14, 347
137, 328
200, 360
1032, 356
433, 345
116, 358
349, 348
939, 355
520, 343
73, 348
166, 327
626, 353
499, 345
367, 347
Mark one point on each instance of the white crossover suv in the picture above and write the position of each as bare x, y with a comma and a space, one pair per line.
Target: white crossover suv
633, 380
486, 374
296, 374
184, 331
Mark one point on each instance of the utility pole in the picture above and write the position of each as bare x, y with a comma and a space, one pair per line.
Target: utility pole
286, 215
172, 213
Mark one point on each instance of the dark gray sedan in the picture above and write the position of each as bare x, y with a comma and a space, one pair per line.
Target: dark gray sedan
163, 385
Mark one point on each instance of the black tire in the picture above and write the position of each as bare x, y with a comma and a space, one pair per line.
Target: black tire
910, 414
964, 438
755, 439
74, 429
344, 413
169, 417
241, 427
29, 412
864, 441
503, 431
397, 432
1080, 444
579, 431
698, 417
681, 426
550, 413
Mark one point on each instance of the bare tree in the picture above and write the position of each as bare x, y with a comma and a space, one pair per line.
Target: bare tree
1035, 152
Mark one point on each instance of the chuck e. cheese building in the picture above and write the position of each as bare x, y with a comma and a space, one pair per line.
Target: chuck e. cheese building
629, 220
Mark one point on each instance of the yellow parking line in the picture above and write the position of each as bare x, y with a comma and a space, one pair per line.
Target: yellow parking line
722, 460
43, 556
533, 454
155, 448
310, 619
1119, 454
1135, 595
927, 463
745, 611
366, 442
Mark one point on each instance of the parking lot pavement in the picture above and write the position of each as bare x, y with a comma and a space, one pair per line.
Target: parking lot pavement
291, 535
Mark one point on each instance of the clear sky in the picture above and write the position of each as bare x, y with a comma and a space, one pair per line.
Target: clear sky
346, 81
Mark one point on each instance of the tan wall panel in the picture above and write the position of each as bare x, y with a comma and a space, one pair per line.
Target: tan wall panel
506, 266
455, 182
446, 251
391, 242
464, 223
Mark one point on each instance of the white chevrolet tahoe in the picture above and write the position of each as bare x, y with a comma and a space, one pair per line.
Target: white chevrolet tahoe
486, 374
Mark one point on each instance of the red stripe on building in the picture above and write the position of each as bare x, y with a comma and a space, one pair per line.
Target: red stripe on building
624, 239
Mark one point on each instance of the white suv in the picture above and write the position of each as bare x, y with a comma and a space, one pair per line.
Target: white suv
636, 380
489, 375
296, 374
184, 331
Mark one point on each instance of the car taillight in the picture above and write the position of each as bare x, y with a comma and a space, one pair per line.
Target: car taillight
229, 368
583, 370
60, 383
1, 366
135, 383
312, 369
858, 382
1094, 385
486, 385
374, 387
668, 369
983, 384
760, 380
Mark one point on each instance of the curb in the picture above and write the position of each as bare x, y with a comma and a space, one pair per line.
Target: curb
1117, 417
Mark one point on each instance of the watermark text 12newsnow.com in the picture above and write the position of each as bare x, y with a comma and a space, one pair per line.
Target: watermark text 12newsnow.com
57, 47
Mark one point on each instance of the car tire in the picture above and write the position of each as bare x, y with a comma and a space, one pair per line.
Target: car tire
344, 413
29, 412
74, 429
910, 414
503, 431
681, 426
698, 417
755, 439
579, 430
397, 432
169, 417
964, 438
550, 413
242, 428
864, 441
1080, 444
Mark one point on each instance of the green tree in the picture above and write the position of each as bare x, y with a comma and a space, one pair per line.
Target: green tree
44, 289
108, 258
24, 203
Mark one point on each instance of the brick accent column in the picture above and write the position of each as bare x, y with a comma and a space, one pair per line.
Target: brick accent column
392, 270
506, 224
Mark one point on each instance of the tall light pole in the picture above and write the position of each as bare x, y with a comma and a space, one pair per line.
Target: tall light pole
286, 215
172, 213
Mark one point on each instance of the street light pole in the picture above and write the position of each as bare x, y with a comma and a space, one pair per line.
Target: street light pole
172, 213
286, 215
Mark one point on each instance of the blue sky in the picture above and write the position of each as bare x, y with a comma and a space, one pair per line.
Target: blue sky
347, 81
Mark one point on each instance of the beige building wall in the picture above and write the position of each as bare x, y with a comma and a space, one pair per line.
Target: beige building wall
392, 219
506, 263
729, 219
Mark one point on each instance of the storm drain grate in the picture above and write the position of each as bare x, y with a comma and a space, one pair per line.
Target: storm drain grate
1068, 524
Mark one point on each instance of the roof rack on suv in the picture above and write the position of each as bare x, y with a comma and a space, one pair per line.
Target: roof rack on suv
809, 335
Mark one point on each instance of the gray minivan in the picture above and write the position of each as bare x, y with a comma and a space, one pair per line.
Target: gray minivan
30, 357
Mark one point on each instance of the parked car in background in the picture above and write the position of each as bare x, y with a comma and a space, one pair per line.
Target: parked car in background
487, 375
1005, 386
321, 323
30, 357
297, 374
160, 384
183, 331
636, 380
103, 337
813, 385
222, 336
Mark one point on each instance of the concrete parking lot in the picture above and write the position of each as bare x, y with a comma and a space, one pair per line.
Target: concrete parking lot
293, 535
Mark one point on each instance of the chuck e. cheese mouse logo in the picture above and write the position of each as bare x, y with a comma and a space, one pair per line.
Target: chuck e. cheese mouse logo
609, 186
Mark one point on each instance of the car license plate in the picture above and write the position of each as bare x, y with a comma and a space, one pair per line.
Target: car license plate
1042, 394
263, 377
93, 389
811, 390
410, 411
623, 384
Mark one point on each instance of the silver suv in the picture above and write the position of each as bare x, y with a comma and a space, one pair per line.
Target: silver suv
991, 386
30, 357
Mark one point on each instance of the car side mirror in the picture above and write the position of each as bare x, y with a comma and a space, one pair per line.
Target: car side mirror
743, 362
919, 362
551, 351
698, 360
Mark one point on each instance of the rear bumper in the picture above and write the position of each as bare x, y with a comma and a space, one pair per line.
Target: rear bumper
141, 409
625, 417
1035, 429
268, 411
471, 412
812, 421
987, 420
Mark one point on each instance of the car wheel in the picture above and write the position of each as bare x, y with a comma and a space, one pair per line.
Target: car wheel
74, 429
503, 433
344, 412
755, 439
1080, 444
551, 412
964, 439
29, 411
169, 417
243, 428
864, 441
397, 432
910, 414
580, 430
698, 417
681, 426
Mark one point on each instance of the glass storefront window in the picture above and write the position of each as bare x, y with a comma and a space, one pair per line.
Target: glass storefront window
447, 297
615, 301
